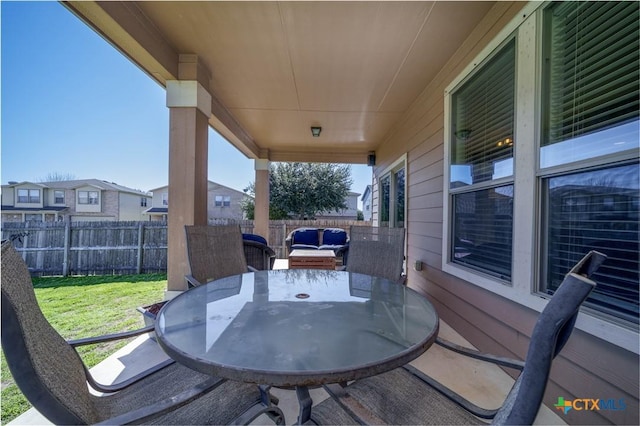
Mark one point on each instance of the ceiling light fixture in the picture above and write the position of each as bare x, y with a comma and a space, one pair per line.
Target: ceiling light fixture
315, 131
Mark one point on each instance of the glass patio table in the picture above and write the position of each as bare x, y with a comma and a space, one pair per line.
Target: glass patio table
297, 328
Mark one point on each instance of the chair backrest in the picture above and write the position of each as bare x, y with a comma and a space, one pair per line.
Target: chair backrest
552, 330
215, 251
376, 251
48, 371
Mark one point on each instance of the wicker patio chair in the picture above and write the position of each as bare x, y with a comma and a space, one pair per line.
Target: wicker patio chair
257, 253
408, 396
52, 376
214, 252
376, 251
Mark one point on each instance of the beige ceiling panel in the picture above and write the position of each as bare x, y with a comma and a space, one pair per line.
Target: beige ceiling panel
447, 26
285, 129
242, 44
346, 54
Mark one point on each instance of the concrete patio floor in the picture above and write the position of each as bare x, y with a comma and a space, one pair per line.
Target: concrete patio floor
483, 384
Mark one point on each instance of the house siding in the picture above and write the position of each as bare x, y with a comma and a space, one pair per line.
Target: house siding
234, 211
129, 207
588, 367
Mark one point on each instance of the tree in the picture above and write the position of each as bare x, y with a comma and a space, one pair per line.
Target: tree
302, 190
57, 177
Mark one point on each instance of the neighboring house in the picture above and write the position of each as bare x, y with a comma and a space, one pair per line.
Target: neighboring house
77, 200
366, 203
350, 213
222, 203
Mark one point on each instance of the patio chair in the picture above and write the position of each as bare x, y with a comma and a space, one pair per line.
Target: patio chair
257, 253
214, 252
52, 376
408, 396
376, 251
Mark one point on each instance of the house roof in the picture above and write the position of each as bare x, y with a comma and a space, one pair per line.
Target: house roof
97, 183
211, 186
366, 193
162, 210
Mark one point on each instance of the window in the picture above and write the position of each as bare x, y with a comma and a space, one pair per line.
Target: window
542, 142
481, 162
223, 201
143, 201
33, 218
596, 210
392, 196
88, 197
590, 81
591, 110
58, 197
165, 199
29, 196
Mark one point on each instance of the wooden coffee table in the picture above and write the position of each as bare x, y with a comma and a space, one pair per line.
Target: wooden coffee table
312, 259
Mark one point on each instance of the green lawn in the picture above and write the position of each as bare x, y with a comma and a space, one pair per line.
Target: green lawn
86, 307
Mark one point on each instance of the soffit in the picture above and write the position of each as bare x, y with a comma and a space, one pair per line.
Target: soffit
277, 68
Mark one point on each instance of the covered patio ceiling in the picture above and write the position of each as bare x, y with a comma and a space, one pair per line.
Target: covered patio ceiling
278, 68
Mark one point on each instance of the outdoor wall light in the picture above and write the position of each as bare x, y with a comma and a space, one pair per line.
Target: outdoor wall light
315, 131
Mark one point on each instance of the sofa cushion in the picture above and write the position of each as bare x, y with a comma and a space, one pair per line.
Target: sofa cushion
254, 237
308, 236
334, 237
303, 247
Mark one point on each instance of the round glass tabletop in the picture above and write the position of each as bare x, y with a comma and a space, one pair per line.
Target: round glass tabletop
297, 327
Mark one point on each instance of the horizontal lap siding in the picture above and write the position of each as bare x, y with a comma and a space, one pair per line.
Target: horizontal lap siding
588, 367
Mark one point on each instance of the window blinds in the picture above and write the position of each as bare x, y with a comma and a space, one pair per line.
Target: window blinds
483, 117
592, 61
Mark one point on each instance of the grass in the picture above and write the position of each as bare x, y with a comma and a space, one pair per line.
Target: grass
85, 307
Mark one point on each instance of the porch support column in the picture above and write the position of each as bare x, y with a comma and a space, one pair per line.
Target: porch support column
190, 109
261, 211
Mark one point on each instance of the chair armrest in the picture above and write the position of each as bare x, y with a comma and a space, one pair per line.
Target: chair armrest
261, 246
343, 249
110, 337
472, 353
191, 281
115, 387
166, 405
453, 396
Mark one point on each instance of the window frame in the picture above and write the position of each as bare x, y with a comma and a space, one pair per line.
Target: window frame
222, 201
527, 27
89, 198
30, 197
390, 172
56, 198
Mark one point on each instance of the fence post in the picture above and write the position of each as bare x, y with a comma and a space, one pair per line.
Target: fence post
140, 246
67, 243
284, 241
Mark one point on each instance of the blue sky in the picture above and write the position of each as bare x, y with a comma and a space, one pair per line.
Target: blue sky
72, 104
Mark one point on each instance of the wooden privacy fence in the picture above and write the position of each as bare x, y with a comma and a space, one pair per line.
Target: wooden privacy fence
90, 248
117, 248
